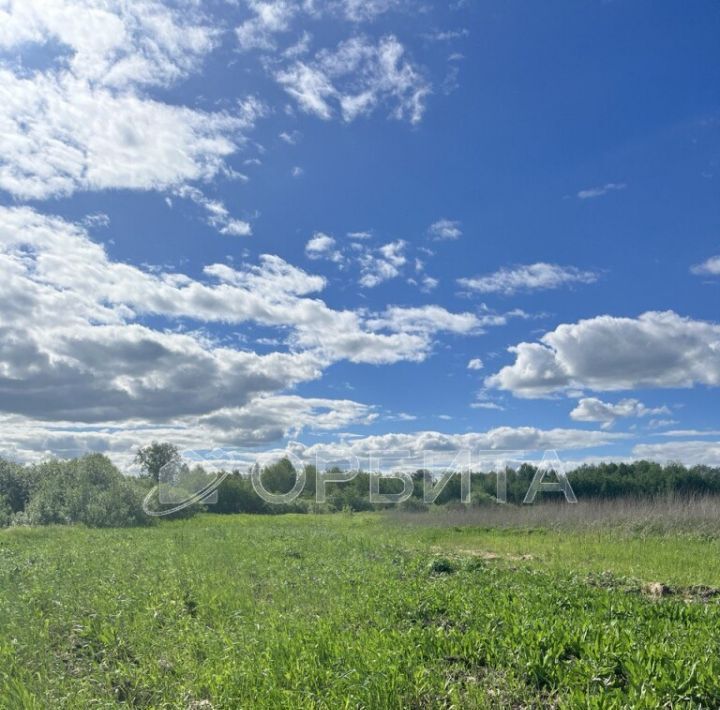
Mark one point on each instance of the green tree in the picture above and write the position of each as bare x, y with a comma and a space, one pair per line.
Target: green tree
152, 458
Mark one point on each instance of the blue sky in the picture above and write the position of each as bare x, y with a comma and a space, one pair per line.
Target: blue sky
338, 225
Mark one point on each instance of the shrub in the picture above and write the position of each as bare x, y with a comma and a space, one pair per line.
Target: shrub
89, 490
6, 512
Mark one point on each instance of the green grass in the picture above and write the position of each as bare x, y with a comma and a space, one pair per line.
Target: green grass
347, 612
682, 561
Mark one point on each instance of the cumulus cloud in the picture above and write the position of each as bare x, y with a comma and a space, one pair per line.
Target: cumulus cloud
382, 264
592, 409
74, 345
272, 418
445, 447
86, 122
322, 246
475, 364
319, 244
605, 353
425, 319
263, 421
690, 453
710, 267
355, 78
531, 277
445, 229
376, 264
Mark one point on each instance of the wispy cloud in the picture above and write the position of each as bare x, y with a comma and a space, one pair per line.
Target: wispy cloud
530, 277
591, 192
217, 214
355, 78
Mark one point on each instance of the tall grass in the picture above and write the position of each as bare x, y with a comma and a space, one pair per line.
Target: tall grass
671, 515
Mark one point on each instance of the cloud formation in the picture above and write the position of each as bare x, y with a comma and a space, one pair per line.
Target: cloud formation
87, 122
592, 409
690, 453
356, 78
74, 344
531, 277
445, 447
601, 190
445, 229
605, 353
710, 267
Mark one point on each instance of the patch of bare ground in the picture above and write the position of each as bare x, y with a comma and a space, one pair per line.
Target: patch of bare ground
696, 593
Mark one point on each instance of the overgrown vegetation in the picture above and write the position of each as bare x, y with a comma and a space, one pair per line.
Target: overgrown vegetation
342, 611
613, 602
91, 491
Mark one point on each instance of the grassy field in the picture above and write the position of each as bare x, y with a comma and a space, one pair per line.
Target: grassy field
357, 611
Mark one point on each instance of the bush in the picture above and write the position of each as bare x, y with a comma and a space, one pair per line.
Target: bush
16, 485
89, 490
413, 505
6, 512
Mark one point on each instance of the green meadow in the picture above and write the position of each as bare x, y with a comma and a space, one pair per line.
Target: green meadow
356, 611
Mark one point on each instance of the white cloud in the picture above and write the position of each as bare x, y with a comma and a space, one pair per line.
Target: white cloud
601, 190
275, 417
59, 135
475, 364
591, 409
116, 43
445, 229
269, 19
710, 267
690, 453
85, 123
218, 215
382, 264
376, 264
319, 244
446, 35
289, 138
445, 447
531, 277
487, 405
363, 10
273, 18
661, 423
607, 353
355, 79
248, 431
425, 319
98, 219
322, 246
73, 345
428, 283
263, 421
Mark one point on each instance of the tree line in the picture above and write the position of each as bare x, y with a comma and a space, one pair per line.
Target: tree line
92, 491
